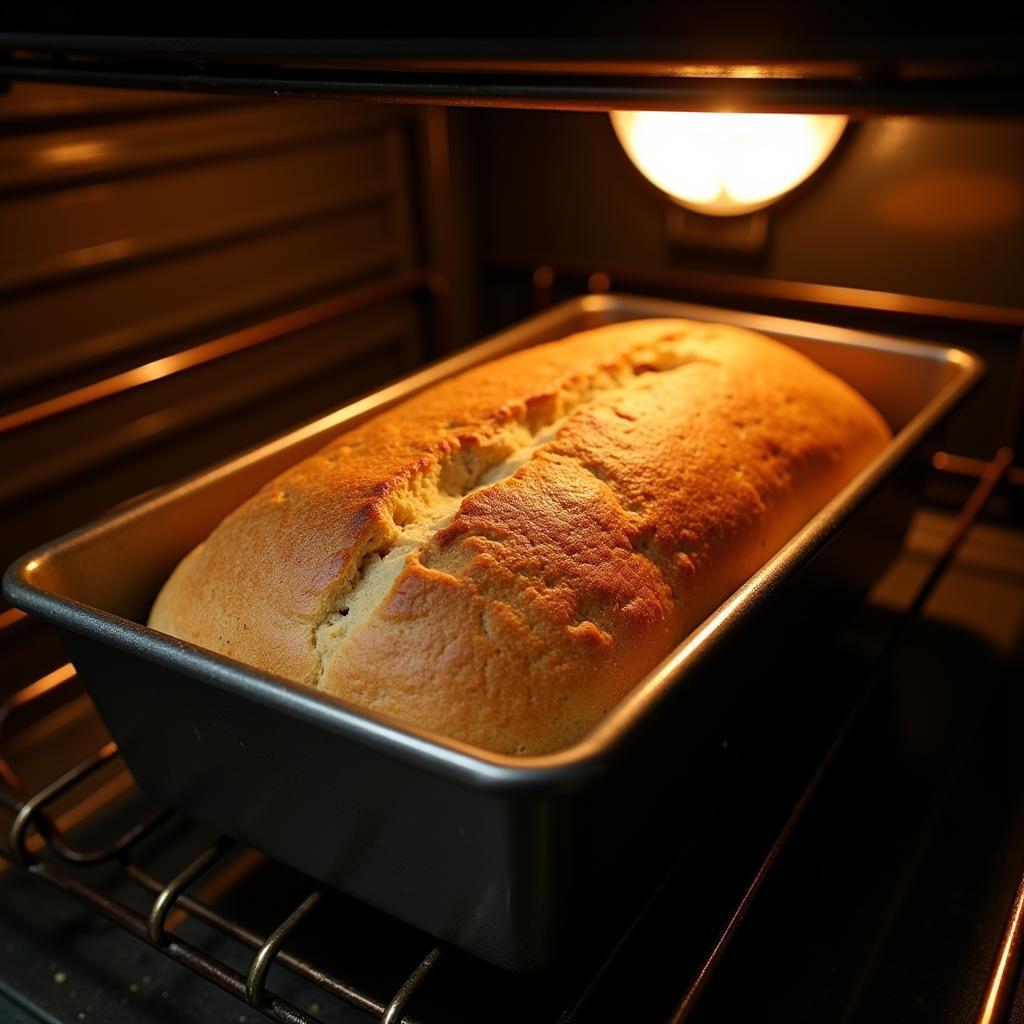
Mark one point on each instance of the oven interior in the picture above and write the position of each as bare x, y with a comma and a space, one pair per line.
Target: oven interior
184, 276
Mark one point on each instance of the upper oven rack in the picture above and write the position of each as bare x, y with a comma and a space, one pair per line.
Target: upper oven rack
785, 58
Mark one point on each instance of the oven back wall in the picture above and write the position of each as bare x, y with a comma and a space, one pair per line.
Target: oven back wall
135, 225
909, 205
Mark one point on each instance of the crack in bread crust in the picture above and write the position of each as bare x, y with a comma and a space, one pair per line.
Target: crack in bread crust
430, 502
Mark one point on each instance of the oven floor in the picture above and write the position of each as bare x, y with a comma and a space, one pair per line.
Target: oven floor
887, 904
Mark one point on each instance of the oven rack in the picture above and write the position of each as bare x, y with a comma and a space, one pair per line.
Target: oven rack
37, 843
678, 62
32, 820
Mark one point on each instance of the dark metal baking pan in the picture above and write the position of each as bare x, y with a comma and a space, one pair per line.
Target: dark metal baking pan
510, 858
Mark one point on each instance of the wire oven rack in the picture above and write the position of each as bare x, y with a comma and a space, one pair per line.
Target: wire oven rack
32, 813
39, 842
31, 817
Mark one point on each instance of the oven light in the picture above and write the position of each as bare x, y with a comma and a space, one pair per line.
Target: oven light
725, 164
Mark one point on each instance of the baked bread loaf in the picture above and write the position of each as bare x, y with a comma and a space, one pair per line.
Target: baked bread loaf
505, 555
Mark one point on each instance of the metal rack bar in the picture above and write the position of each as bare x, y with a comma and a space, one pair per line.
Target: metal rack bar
28, 695
393, 1014
652, 280
992, 91
10, 620
1005, 979
173, 889
255, 982
24, 698
990, 479
99, 259
28, 813
274, 329
963, 465
121, 845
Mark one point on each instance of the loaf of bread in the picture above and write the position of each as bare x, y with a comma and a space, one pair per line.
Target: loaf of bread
504, 556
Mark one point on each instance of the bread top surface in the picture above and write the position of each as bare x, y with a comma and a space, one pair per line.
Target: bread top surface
502, 557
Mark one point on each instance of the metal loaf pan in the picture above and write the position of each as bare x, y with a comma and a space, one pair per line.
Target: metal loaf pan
512, 859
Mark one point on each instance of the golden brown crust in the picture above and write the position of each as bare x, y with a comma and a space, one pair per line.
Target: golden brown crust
503, 557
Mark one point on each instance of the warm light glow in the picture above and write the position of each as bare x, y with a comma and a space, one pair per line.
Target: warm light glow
726, 163
72, 153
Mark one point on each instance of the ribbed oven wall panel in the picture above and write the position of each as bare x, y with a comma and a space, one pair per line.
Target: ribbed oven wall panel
135, 225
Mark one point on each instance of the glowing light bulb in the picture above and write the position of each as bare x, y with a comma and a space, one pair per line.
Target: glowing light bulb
726, 164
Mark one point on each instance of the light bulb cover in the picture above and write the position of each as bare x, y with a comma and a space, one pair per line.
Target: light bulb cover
726, 164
